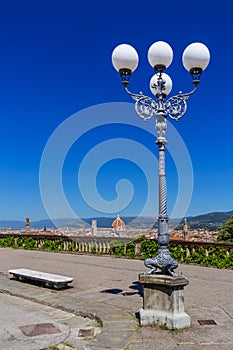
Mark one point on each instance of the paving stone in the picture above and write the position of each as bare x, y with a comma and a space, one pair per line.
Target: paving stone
209, 295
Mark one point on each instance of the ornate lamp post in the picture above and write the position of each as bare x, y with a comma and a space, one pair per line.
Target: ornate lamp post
195, 59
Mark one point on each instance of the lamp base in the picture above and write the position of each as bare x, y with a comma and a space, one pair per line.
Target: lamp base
163, 301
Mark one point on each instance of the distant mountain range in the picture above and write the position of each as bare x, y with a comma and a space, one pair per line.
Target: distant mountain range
212, 221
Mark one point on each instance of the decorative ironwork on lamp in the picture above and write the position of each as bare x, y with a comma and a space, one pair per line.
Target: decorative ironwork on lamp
195, 59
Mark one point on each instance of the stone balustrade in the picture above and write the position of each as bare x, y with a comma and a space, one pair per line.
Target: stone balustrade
91, 244
107, 245
190, 247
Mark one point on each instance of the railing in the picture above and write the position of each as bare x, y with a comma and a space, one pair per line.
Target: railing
202, 253
205, 253
97, 245
191, 247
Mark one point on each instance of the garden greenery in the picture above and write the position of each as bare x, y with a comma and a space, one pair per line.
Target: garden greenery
215, 256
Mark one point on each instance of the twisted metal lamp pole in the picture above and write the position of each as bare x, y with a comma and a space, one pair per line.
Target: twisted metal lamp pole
195, 59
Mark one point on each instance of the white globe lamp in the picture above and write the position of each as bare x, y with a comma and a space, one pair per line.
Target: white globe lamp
125, 57
154, 84
160, 55
196, 56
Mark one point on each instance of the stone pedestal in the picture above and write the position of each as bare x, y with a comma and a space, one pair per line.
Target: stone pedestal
163, 301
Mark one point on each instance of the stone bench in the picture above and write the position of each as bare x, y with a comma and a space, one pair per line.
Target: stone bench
43, 278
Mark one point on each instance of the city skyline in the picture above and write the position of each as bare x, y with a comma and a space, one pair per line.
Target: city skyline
56, 66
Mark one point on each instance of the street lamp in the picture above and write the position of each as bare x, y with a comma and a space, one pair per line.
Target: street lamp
195, 59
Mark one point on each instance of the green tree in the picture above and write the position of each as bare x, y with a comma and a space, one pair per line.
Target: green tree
226, 232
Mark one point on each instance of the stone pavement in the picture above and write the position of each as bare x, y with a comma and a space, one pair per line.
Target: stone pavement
106, 290
29, 325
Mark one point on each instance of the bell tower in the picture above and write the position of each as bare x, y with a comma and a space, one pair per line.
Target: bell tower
27, 225
185, 229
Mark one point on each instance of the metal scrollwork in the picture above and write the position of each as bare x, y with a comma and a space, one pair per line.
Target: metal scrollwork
176, 107
145, 108
160, 86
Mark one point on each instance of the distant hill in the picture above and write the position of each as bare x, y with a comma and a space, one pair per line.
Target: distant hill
12, 224
211, 221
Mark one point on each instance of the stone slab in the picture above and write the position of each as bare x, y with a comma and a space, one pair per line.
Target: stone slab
164, 280
170, 320
55, 280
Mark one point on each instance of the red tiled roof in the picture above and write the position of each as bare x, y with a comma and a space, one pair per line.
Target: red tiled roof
118, 222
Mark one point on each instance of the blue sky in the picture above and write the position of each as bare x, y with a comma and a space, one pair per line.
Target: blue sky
55, 61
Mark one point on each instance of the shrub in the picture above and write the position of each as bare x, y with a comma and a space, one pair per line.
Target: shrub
149, 249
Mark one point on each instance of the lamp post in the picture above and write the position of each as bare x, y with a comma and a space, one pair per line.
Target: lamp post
195, 59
